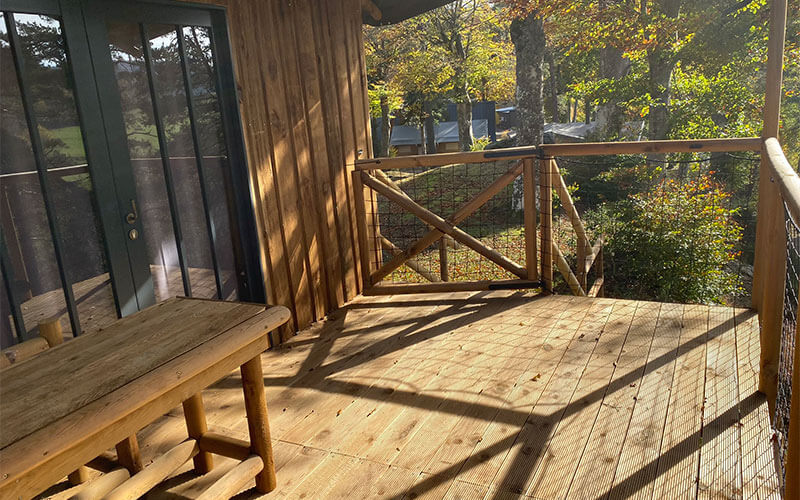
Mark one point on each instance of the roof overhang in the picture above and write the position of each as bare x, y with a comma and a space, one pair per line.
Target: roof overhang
394, 11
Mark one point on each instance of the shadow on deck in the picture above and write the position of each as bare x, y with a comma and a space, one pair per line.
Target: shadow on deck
507, 395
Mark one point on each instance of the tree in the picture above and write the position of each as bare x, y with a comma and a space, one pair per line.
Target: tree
470, 37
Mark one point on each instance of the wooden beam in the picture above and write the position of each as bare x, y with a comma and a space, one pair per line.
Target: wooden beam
234, 480
226, 446
769, 266
195, 415
255, 405
648, 147
361, 223
566, 272
597, 288
100, 486
584, 250
160, 469
450, 286
370, 8
445, 227
411, 262
546, 221
594, 253
529, 208
442, 159
462, 213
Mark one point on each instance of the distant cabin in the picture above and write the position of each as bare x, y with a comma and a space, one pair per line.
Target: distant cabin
407, 140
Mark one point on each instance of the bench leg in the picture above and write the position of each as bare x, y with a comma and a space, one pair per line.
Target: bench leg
128, 454
78, 476
195, 416
255, 404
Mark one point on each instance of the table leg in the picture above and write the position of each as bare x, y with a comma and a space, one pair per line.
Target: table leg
128, 454
195, 416
78, 476
255, 404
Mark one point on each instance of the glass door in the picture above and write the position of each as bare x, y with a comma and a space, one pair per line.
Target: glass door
122, 162
172, 122
53, 235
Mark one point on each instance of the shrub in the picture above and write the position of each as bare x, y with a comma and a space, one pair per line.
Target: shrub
673, 243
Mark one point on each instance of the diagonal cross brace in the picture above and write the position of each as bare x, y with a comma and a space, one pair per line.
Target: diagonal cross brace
443, 226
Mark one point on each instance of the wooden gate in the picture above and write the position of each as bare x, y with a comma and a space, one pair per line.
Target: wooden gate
370, 179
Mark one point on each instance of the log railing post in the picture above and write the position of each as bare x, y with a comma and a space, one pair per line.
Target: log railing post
529, 206
770, 258
443, 270
546, 221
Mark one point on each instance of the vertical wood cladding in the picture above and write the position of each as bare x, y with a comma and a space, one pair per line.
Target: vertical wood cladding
302, 92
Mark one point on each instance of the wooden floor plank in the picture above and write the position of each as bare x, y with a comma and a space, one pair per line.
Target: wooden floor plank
676, 475
638, 462
720, 456
516, 472
595, 471
557, 465
758, 459
503, 395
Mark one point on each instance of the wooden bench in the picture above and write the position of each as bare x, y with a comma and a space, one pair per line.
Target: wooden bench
123, 377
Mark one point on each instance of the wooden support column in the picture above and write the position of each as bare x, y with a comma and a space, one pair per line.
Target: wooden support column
195, 415
128, 454
546, 221
770, 258
444, 273
363, 231
529, 207
255, 404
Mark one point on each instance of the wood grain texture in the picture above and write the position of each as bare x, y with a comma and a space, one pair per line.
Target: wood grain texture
510, 393
44, 456
101, 362
301, 76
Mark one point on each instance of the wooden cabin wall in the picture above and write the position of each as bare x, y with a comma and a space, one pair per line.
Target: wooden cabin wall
302, 90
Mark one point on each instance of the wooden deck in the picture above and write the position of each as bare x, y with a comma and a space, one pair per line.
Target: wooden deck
505, 395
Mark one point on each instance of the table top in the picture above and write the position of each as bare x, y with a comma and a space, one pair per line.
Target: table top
68, 377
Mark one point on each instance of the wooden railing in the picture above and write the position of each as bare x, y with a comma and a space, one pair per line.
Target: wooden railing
370, 178
771, 301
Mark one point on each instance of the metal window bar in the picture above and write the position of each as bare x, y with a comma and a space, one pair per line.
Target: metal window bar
788, 335
41, 168
198, 153
165, 160
11, 290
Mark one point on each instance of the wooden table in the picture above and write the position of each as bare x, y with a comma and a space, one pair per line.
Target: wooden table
71, 403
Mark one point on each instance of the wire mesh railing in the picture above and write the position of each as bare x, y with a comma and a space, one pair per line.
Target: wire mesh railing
443, 190
788, 338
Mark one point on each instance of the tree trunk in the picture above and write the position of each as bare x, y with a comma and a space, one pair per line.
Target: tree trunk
430, 129
661, 66
661, 63
553, 104
529, 44
610, 113
386, 127
465, 137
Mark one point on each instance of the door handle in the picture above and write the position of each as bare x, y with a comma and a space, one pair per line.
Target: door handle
133, 215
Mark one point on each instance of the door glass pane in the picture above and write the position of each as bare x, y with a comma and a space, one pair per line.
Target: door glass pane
152, 202
202, 70
170, 92
70, 189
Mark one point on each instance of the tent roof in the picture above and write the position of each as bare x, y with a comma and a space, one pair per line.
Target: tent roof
405, 135
394, 11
